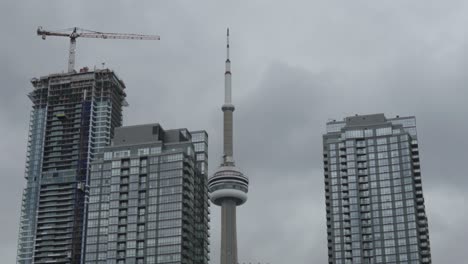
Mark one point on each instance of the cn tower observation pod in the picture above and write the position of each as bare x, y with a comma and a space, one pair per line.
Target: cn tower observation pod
228, 183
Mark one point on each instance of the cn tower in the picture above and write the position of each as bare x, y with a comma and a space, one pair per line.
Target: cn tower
228, 186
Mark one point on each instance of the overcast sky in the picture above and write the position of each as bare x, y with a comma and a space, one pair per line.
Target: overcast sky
296, 64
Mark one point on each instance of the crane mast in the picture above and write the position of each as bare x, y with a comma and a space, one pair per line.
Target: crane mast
76, 32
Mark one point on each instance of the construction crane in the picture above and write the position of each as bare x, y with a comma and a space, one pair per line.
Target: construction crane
74, 33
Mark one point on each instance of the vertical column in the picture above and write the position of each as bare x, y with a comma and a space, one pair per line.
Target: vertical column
228, 128
228, 232
227, 83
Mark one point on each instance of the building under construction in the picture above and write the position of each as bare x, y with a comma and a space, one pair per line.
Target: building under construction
73, 116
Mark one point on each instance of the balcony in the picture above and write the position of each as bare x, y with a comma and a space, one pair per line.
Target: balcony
54, 214
360, 152
363, 187
56, 209
51, 204
55, 220
52, 198
366, 208
53, 243
362, 172
360, 144
63, 190
366, 223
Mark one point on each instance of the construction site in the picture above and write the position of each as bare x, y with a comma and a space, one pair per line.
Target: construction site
73, 115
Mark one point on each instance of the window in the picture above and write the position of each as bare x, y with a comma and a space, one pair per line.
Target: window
134, 170
381, 141
200, 146
170, 215
170, 198
143, 151
170, 158
169, 240
354, 134
155, 150
382, 155
170, 166
384, 169
107, 155
170, 207
383, 162
122, 154
135, 162
116, 164
368, 132
385, 184
335, 127
383, 131
382, 148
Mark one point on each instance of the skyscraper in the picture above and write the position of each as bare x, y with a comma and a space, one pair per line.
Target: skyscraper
374, 199
228, 185
73, 116
149, 198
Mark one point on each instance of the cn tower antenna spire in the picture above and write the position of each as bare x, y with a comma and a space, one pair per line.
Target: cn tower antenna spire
227, 74
227, 46
228, 109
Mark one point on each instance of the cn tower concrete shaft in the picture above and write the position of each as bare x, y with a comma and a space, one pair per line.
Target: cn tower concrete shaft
228, 232
228, 126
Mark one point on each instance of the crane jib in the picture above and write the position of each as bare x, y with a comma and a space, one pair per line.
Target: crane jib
75, 33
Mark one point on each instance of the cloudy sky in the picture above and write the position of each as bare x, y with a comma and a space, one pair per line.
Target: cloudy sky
296, 64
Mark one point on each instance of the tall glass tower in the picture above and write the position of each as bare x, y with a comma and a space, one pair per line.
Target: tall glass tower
148, 199
374, 199
73, 116
228, 185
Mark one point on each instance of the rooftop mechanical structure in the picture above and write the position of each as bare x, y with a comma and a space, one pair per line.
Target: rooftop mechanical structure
228, 186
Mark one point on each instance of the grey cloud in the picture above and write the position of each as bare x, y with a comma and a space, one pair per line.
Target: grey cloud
276, 118
295, 65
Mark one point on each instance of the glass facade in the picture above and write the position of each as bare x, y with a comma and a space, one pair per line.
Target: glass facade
375, 206
30, 194
148, 203
73, 116
201, 199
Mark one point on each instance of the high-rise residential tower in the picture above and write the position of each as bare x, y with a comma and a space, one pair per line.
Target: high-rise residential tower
228, 185
374, 199
148, 199
73, 116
